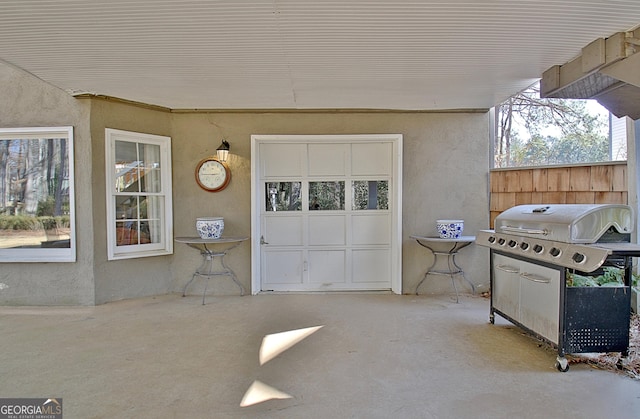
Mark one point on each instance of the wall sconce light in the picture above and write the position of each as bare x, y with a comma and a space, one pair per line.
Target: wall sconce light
223, 151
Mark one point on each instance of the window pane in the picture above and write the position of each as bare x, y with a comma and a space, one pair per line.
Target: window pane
139, 219
370, 195
126, 166
151, 221
326, 195
142, 207
132, 233
127, 207
153, 228
283, 196
153, 207
35, 198
138, 194
126, 233
149, 168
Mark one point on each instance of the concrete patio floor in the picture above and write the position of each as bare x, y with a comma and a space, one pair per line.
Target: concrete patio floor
376, 356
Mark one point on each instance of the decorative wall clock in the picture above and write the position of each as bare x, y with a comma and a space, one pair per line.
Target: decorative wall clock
212, 174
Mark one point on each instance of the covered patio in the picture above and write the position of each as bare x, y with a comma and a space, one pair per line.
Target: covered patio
375, 356
114, 338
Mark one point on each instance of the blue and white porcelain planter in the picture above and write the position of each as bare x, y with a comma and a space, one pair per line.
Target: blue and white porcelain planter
210, 227
450, 229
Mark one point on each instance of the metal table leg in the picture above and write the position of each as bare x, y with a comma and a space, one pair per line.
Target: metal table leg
453, 267
206, 270
459, 270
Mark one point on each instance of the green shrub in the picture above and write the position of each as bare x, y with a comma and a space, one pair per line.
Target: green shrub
50, 223
18, 222
46, 207
611, 277
26, 222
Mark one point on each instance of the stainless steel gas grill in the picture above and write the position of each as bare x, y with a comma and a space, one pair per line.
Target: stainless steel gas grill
536, 248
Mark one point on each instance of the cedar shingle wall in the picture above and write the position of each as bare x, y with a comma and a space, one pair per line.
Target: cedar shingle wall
598, 184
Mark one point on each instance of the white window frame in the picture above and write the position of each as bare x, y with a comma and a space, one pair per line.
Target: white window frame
46, 254
165, 245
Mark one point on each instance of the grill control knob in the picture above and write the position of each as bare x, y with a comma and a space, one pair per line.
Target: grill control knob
538, 248
555, 252
491, 239
513, 243
524, 245
501, 241
578, 257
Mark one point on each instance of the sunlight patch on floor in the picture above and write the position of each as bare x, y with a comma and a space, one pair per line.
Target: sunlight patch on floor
272, 346
275, 344
259, 392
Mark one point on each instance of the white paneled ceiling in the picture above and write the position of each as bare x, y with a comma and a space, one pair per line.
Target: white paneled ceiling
302, 54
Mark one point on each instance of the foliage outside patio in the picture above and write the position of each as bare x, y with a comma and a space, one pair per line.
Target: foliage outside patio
24, 230
629, 365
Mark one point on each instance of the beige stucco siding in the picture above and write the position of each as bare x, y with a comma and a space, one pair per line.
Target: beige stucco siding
128, 278
446, 160
445, 175
26, 101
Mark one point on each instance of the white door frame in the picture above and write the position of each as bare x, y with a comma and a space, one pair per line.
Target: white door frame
396, 232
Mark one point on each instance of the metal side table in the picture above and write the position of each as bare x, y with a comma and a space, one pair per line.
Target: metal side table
209, 249
435, 245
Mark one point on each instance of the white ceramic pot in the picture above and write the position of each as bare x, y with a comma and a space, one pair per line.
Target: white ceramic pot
450, 229
210, 227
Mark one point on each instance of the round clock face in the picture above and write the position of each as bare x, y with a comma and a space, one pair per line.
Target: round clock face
212, 175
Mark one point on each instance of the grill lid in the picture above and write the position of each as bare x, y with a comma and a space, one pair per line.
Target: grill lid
568, 223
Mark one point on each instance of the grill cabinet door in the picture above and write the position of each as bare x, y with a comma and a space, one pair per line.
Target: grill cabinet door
506, 286
540, 299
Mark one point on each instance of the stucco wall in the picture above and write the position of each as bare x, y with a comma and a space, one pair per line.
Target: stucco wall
28, 102
446, 165
445, 169
446, 160
129, 278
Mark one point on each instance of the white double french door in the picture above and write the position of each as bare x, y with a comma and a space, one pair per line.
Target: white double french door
326, 213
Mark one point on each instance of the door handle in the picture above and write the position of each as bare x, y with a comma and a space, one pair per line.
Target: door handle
508, 269
535, 278
262, 240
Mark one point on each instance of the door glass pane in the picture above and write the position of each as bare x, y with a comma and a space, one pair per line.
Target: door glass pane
370, 195
326, 196
283, 196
